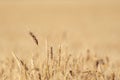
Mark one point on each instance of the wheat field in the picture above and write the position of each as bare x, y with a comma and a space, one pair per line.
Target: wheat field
60, 40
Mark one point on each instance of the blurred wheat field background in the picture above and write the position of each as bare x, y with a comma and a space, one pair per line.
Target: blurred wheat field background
88, 29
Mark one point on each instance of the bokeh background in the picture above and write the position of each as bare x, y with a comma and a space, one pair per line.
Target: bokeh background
77, 24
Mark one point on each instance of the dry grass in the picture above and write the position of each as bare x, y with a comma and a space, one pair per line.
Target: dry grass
59, 67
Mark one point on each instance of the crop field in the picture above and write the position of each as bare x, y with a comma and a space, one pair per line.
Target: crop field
59, 40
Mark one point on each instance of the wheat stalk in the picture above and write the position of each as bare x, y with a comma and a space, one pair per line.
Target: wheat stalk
17, 60
34, 38
51, 52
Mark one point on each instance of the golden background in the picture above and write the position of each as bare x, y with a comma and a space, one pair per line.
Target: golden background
77, 24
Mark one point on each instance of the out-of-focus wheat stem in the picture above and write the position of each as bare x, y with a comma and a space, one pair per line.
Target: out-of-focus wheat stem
18, 63
17, 60
59, 55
